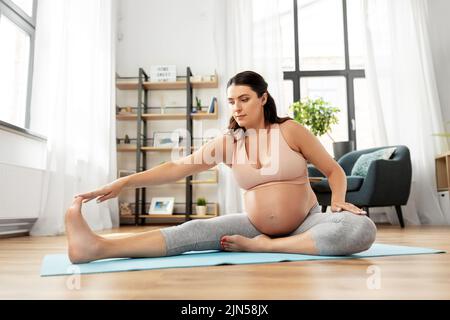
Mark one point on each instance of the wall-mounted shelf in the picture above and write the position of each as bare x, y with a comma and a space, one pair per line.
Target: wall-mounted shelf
131, 148
177, 85
168, 116
212, 211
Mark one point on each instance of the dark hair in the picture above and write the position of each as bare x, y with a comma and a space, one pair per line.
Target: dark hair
257, 83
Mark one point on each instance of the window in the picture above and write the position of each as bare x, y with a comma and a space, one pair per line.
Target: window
326, 60
332, 90
321, 36
17, 29
25, 5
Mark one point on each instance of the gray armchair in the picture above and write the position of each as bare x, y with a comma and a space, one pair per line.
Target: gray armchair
387, 182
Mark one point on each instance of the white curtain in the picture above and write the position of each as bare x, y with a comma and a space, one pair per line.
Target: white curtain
247, 36
73, 105
403, 97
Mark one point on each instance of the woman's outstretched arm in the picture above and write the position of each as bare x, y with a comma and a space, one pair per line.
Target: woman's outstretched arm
206, 157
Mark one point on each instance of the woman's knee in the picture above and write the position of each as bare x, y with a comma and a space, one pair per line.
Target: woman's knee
345, 233
360, 232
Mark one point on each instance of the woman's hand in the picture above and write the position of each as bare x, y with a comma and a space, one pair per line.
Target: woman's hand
106, 192
337, 206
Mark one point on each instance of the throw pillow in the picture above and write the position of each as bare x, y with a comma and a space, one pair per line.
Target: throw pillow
361, 166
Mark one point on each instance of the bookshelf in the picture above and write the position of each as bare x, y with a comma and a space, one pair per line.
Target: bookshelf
177, 85
442, 170
143, 115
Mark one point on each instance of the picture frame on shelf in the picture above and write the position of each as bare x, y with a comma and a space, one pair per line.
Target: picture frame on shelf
125, 208
166, 139
163, 73
162, 205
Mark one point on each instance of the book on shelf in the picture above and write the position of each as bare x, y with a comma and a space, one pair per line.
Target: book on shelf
212, 105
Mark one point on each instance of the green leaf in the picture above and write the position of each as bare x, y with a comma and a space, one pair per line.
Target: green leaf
318, 115
201, 202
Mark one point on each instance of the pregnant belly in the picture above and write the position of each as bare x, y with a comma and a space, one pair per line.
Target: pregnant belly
279, 209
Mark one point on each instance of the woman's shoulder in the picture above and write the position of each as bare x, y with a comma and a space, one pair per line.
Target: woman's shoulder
294, 133
293, 128
289, 128
290, 124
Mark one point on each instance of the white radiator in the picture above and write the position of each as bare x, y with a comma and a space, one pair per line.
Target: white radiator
444, 201
20, 198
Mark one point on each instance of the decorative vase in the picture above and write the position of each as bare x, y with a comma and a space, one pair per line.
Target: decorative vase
201, 210
342, 147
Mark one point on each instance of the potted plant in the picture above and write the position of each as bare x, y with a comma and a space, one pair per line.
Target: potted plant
318, 115
201, 206
198, 105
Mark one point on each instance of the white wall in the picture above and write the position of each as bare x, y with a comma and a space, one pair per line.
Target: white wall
169, 32
440, 46
165, 32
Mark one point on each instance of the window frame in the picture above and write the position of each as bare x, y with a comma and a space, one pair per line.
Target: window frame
348, 73
28, 25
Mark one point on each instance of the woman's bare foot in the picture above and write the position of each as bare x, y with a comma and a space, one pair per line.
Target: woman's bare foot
84, 245
259, 243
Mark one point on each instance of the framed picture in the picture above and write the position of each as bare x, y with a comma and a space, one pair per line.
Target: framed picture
161, 205
166, 139
163, 73
124, 173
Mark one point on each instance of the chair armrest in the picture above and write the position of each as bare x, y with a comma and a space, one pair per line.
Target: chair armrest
348, 160
387, 182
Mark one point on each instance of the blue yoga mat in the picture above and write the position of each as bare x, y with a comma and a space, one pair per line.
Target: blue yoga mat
59, 264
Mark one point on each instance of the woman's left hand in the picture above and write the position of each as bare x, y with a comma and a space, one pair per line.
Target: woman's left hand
345, 206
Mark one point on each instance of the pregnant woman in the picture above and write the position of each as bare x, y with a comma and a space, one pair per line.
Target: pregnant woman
267, 156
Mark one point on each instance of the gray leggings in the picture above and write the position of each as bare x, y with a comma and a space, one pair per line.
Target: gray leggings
339, 233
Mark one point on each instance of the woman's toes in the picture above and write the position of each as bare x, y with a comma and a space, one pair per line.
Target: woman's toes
226, 241
230, 247
76, 204
224, 245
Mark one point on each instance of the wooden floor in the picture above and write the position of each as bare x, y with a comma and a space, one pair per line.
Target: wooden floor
401, 277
